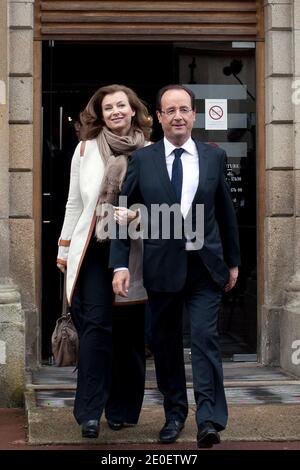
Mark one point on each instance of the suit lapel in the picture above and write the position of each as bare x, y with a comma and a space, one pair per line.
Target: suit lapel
203, 162
202, 159
159, 159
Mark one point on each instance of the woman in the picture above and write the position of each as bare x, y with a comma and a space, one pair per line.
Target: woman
115, 123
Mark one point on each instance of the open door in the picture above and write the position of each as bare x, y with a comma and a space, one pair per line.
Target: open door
66, 89
222, 70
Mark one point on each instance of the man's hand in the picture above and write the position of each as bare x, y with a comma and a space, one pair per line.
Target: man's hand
124, 216
121, 282
234, 272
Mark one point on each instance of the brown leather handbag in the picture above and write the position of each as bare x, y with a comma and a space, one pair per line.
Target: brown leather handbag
64, 340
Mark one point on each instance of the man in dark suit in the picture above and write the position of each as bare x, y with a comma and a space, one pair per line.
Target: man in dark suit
179, 270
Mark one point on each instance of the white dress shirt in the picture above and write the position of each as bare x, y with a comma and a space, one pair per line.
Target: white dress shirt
190, 170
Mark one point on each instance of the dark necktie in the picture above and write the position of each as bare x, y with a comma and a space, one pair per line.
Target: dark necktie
176, 179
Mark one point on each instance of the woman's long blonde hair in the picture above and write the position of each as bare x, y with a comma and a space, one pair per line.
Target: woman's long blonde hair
92, 119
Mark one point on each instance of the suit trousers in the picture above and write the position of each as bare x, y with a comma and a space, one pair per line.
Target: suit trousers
91, 311
202, 298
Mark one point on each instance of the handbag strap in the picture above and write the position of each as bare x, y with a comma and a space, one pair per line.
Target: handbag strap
64, 299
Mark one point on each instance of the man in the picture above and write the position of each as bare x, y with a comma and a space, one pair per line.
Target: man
178, 270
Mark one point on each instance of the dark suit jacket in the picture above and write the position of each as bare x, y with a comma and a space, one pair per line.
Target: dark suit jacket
165, 261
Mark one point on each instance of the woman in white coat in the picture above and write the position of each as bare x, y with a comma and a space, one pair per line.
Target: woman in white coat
115, 123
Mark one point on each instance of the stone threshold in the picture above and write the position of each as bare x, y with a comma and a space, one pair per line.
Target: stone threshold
274, 422
264, 405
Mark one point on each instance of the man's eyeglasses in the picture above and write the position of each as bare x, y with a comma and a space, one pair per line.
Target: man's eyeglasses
184, 111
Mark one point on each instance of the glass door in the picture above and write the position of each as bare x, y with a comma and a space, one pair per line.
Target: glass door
223, 71
71, 74
222, 77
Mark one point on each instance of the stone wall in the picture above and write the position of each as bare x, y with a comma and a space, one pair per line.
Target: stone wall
22, 236
279, 202
12, 319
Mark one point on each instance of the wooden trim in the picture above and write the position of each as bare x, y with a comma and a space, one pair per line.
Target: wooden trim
261, 183
260, 20
145, 5
144, 18
119, 30
163, 20
37, 177
37, 20
79, 36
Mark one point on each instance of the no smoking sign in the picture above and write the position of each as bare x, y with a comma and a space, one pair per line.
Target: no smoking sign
215, 114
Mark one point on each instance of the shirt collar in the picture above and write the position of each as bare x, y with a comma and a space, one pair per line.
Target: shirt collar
188, 146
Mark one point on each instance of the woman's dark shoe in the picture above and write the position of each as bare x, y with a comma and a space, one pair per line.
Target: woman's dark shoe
90, 428
115, 426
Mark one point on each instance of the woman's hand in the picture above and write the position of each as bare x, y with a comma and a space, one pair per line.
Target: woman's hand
61, 267
124, 216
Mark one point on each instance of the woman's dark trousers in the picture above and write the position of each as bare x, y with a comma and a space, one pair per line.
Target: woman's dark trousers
128, 377
92, 315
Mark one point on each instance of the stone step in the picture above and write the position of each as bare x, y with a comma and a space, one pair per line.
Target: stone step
264, 404
265, 422
153, 385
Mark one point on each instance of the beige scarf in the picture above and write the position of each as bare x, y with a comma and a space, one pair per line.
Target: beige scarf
114, 151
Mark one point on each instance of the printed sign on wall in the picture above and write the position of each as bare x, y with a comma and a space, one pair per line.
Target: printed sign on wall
215, 114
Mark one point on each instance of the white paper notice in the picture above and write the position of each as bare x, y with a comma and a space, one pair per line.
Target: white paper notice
2, 92
2, 352
215, 114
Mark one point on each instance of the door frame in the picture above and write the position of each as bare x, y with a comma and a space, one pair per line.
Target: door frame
260, 175
37, 185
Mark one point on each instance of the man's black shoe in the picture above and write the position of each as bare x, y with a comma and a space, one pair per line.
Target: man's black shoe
207, 435
90, 428
170, 431
114, 425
